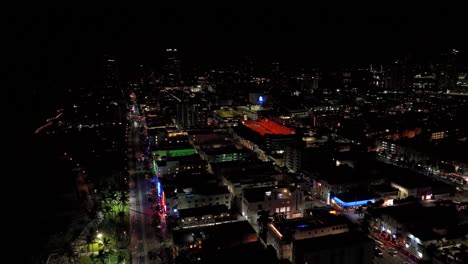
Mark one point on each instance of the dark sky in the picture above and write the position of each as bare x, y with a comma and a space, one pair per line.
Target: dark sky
338, 32
61, 46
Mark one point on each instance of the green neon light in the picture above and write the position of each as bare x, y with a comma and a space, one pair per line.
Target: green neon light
155, 167
175, 153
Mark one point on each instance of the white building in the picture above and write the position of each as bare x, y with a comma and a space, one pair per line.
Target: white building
198, 197
276, 200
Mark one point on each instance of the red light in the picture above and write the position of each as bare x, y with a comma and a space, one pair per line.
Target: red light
266, 126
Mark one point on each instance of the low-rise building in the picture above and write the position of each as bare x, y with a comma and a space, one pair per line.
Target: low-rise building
270, 136
209, 237
225, 153
416, 186
343, 248
204, 215
199, 196
288, 201
414, 227
227, 117
239, 175
173, 165
352, 199
282, 235
386, 192
164, 151
335, 181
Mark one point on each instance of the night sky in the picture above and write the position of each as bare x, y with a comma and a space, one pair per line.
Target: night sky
313, 32
62, 46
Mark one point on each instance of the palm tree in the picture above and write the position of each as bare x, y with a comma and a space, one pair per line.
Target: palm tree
263, 220
121, 214
107, 210
106, 243
120, 259
112, 225
101, 256
123, 200
365, 224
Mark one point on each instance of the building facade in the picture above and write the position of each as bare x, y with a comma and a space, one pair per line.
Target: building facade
289, 202
192, 115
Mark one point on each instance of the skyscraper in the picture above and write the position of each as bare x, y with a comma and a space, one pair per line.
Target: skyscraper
398, 76
113, 96
447, 70
172, 74
111, 77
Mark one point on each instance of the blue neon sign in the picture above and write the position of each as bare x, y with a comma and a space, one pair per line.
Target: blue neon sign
261, 100
356, 203
159, 189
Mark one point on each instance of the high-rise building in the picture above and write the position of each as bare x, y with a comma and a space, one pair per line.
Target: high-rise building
447, 70
111, 78
172, 74
377, 77
424, 79
113, 96
398, 76
192, 115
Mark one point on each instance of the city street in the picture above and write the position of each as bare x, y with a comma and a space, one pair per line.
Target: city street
387, 257
143, 239
461, 195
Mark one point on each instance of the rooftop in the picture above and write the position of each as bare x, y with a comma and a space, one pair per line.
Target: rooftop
422, 221
172, 147
266, 126
258, 194
246, 253
211, 189
227, 149
193, 157
227, 113
204, 210
383, 188
355, 196
329, 242
318, 219
222, 235
408, 179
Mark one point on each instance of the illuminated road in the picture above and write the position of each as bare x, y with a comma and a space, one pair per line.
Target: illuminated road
389, 259
459, 195
143, 238
386, 258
